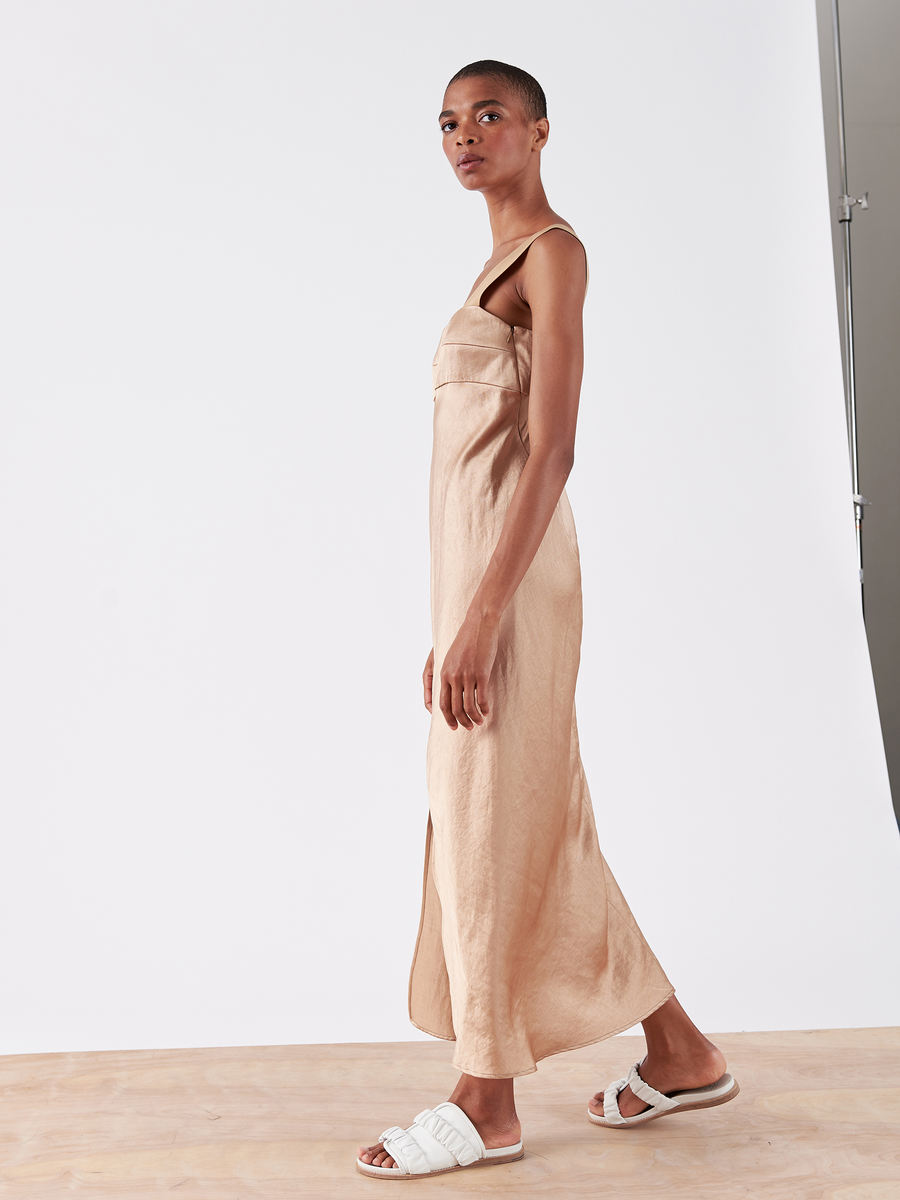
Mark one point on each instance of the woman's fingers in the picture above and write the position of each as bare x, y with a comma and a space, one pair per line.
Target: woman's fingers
460, 701
465, 677
452, 705
446, 702
428, 680
470, 701
481, 695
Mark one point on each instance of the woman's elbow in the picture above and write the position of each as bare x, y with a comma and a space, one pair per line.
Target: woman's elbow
564, 460
556, 460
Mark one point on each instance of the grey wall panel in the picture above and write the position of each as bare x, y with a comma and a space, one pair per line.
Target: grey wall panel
870, 51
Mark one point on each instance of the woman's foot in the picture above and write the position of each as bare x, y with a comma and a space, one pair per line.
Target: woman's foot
489, 1105
678, 1057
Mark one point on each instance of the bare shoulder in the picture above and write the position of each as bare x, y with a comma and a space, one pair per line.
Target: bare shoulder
555, 264
556, 246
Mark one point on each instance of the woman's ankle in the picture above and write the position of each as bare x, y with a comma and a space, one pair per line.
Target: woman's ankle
489, 1102
675, 1041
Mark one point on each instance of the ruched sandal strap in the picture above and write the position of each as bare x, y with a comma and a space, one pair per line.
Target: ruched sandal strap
649, 1094
439, 1138
657, 1101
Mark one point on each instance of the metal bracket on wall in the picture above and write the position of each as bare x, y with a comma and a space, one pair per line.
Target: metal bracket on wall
845, 205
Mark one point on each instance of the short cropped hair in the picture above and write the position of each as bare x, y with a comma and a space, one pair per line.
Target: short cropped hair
529, 90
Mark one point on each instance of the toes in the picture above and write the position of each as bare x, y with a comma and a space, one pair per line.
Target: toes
375, 1156
629, 1104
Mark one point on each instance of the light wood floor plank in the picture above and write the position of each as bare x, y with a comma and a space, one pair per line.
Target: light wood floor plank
818, 1118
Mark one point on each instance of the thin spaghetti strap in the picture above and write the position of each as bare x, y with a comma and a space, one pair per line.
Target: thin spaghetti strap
505, 263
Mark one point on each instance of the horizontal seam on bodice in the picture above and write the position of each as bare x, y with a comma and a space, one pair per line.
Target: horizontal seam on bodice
481, 383
479, 346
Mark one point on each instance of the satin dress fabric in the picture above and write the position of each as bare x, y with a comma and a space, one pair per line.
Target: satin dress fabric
526, 945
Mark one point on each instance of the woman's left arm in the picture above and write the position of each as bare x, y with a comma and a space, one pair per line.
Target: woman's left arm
553, 286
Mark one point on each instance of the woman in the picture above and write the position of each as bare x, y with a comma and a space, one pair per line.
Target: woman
526, 946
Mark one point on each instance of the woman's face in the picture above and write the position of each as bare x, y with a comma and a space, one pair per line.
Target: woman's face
487, 138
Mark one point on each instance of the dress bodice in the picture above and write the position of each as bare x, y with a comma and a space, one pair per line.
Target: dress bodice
477, 347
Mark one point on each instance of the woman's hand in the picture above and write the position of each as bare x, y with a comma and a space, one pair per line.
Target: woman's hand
428, 678
466, 673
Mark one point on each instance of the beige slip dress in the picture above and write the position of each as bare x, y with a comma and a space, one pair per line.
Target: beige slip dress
526, 946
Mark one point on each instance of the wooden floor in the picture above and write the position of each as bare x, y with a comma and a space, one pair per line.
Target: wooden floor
818, 1118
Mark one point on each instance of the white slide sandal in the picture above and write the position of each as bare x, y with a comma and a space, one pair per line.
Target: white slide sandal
720, 1092
440, 1140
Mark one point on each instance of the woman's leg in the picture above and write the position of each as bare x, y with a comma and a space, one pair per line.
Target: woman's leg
678, 1056
490, 1106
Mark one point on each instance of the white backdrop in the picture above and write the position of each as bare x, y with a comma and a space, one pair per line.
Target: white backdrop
230, 242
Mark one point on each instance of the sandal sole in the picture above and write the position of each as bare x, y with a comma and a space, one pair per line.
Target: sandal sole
391, 1173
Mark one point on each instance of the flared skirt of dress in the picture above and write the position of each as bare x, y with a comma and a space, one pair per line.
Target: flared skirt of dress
526, 945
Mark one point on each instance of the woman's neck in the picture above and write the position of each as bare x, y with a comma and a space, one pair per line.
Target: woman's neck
518, 211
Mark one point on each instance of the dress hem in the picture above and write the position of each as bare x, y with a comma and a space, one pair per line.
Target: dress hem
549, 1054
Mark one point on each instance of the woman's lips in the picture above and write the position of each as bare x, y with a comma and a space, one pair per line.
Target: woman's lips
467, 161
